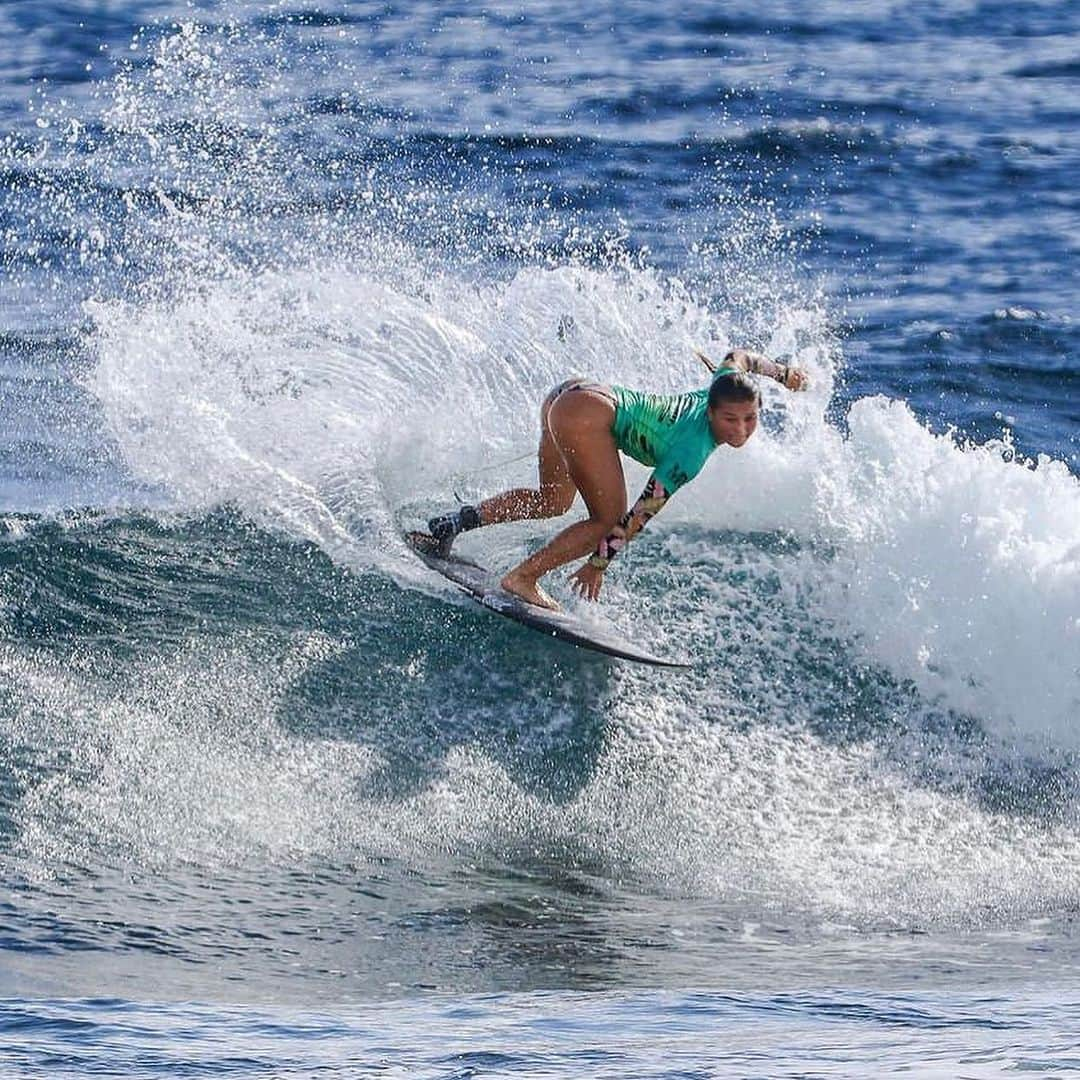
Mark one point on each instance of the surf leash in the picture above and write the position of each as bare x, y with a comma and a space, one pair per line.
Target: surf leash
490, 468
706, 361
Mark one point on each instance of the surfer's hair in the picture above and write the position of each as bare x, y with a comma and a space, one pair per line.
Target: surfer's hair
733, 386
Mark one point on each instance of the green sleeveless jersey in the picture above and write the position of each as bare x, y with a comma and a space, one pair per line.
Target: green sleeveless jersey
668, 432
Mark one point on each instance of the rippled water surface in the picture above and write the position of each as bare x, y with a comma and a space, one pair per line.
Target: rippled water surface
279, 279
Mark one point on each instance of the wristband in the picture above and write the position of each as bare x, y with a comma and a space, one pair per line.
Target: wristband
598, 562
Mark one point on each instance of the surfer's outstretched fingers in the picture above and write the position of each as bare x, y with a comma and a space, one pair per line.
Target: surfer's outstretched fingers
587, 581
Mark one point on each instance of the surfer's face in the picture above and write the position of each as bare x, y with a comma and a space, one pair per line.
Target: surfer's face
733, 422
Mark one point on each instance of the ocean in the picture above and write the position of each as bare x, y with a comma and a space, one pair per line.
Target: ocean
281, 279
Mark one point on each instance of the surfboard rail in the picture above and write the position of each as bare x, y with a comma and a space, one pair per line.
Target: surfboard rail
483, 586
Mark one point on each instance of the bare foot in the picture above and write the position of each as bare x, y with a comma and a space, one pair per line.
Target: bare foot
529, 591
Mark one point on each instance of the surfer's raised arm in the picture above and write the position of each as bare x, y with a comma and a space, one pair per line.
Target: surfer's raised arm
786, 375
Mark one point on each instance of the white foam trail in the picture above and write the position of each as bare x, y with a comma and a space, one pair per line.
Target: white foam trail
269, 391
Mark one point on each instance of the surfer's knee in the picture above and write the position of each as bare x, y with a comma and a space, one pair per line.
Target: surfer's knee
603, 523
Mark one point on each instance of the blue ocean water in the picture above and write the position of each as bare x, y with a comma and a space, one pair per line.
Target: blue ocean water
279, 278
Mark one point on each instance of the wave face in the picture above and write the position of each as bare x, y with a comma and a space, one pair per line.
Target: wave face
280, 282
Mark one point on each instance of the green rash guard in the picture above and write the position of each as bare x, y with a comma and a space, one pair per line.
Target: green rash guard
668, 432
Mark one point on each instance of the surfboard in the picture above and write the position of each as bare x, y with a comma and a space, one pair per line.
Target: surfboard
483, 586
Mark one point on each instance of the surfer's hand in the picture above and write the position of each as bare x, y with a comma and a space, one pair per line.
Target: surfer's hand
587, 581
792, 378
795, 379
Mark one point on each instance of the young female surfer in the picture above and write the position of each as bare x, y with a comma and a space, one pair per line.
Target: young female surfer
583, 427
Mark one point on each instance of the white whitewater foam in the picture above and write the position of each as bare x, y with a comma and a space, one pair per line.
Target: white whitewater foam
185, 760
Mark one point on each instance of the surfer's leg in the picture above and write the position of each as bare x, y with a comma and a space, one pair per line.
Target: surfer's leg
580, 425
555, 490
553, 495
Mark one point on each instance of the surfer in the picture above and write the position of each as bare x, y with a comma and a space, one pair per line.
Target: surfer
583, 427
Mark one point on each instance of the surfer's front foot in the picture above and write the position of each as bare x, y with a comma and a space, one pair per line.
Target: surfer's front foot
527, 590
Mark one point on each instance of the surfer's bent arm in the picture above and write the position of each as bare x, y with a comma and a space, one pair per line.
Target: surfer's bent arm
757, 364
636, 518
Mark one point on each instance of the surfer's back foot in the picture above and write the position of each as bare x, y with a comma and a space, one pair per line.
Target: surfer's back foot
426, 544
445, 528
527, 590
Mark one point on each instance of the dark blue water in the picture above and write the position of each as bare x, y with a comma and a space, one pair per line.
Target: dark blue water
279, 279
